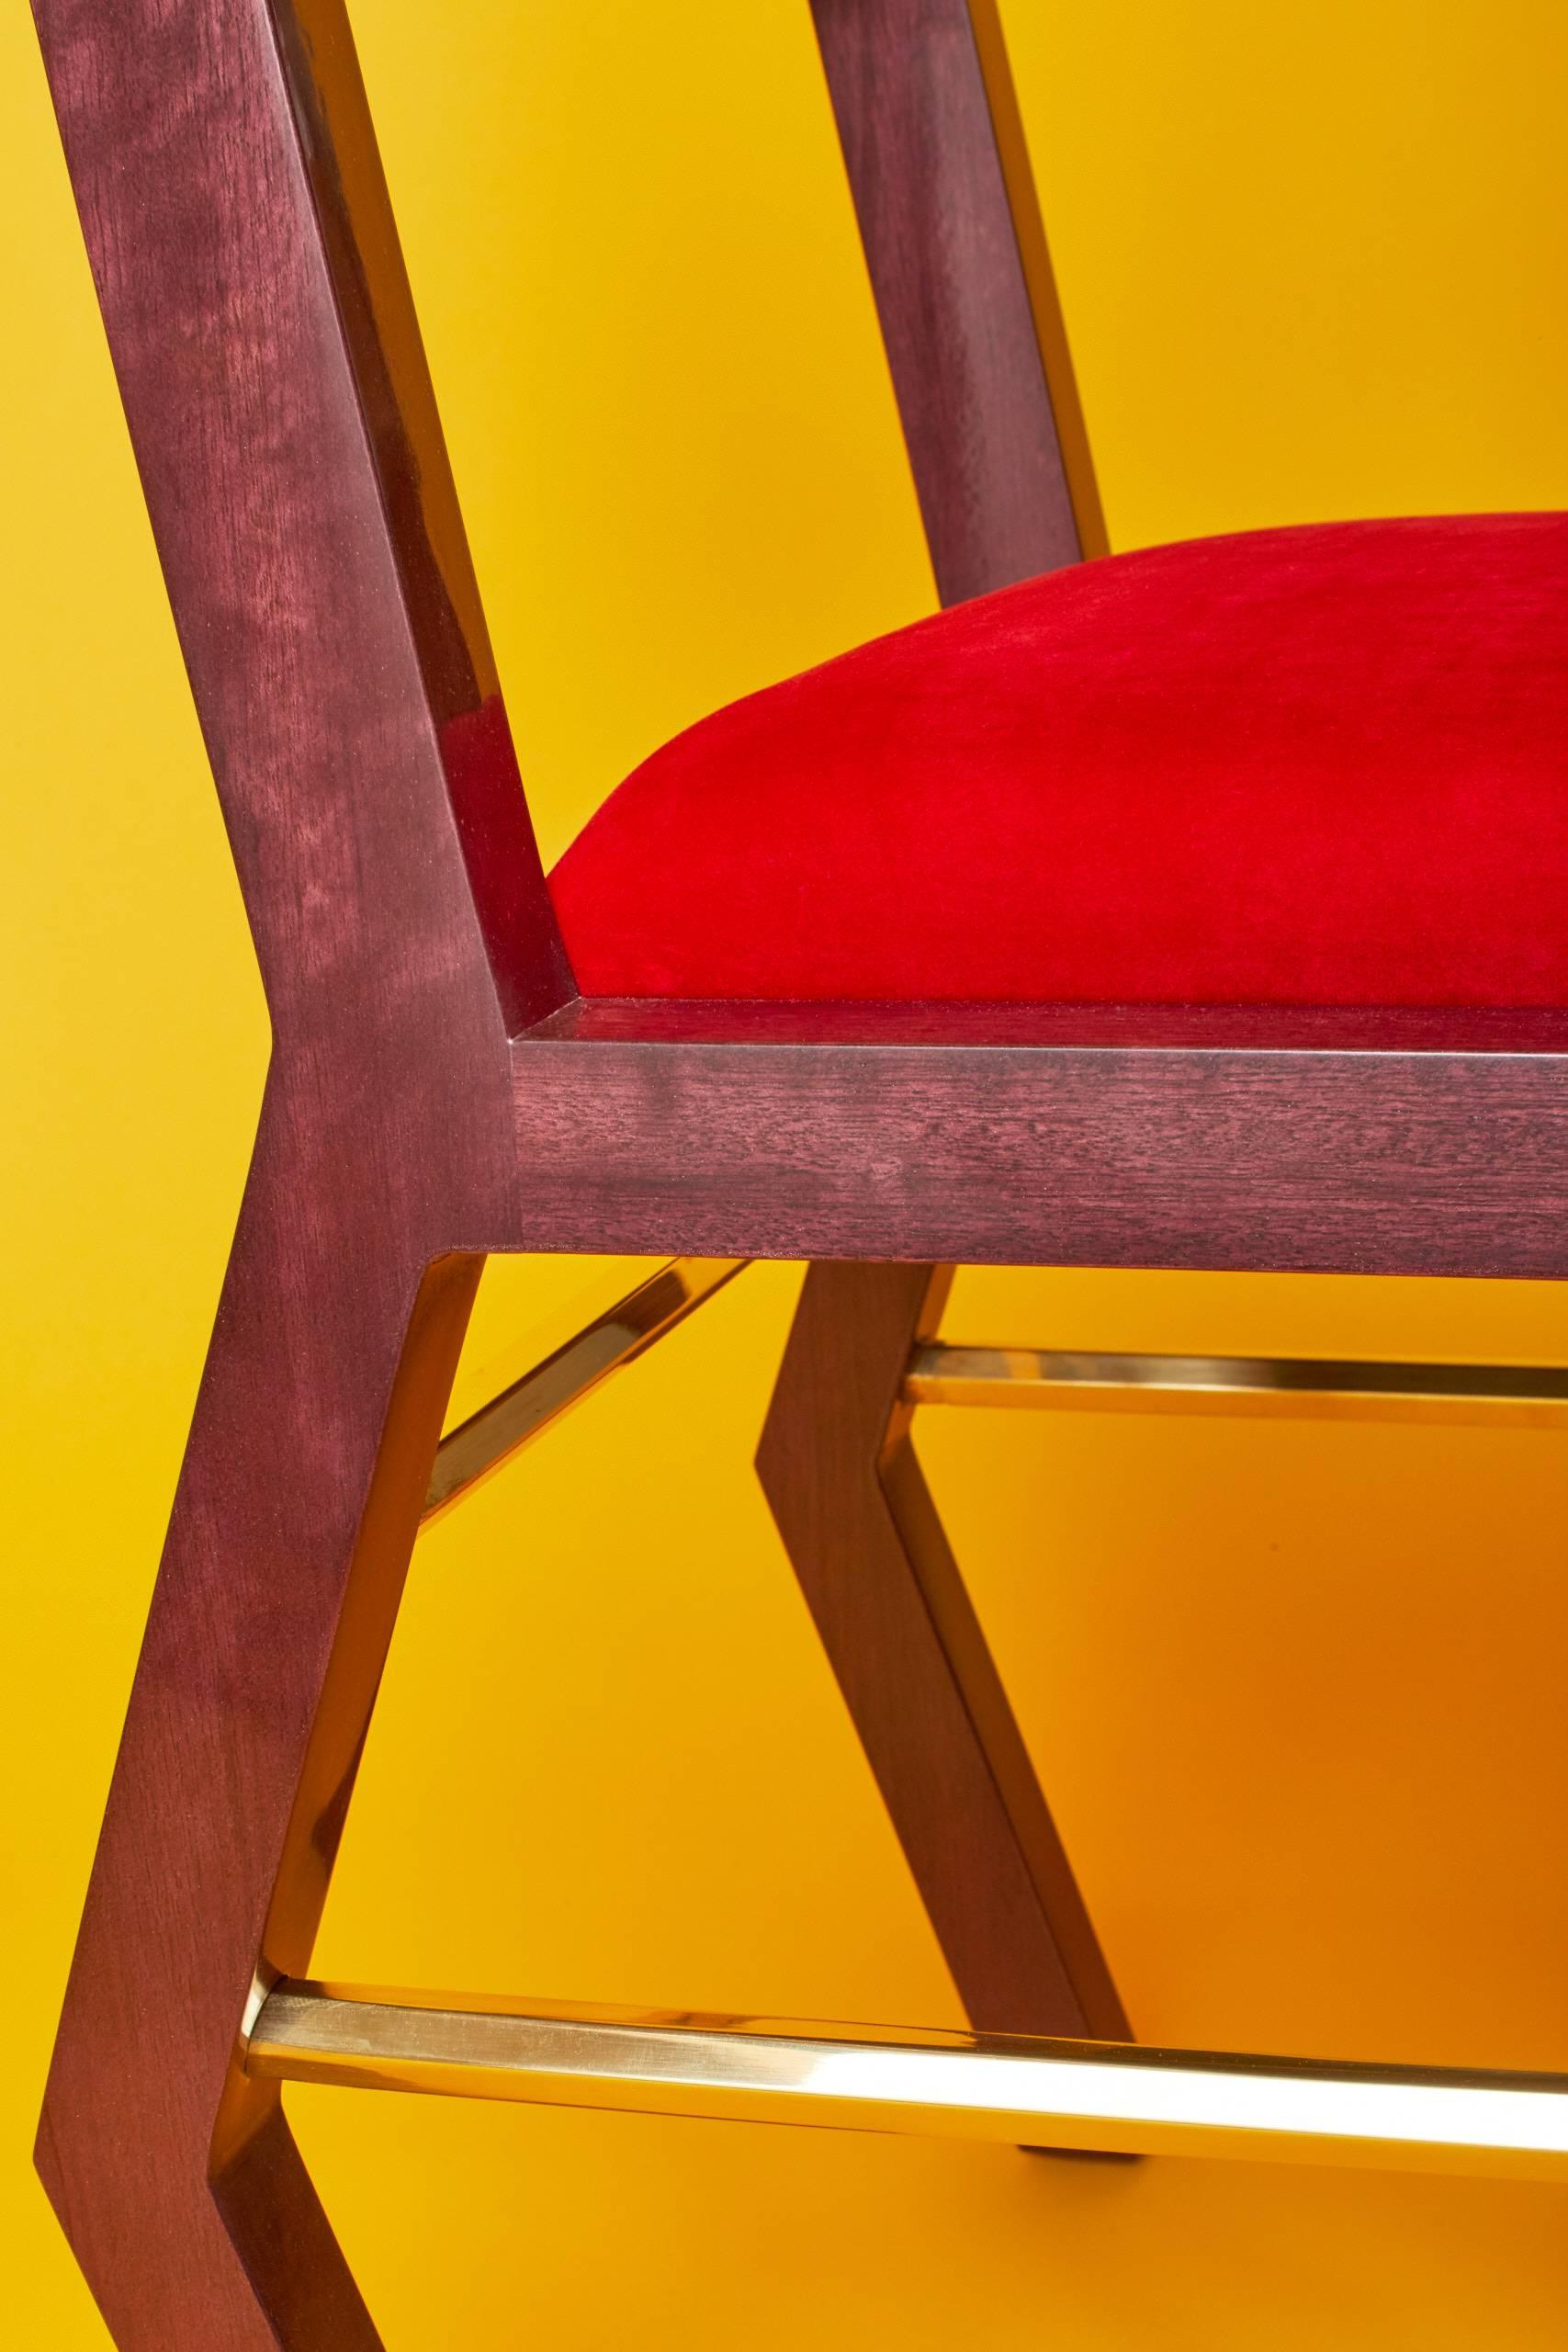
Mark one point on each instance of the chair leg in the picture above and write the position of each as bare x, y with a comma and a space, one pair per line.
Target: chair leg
179, 2184
879, 1577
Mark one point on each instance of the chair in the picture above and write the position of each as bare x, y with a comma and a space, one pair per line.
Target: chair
1360, 1070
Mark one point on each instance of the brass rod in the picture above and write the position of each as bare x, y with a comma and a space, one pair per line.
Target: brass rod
487, 1438
1043, 1379
983, 2086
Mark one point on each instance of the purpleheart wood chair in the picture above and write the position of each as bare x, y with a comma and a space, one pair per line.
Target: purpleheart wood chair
1198, 907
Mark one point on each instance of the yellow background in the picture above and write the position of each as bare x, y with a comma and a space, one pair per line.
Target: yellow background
1296, 1691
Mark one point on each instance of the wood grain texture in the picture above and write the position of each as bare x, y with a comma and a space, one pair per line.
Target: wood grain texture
310, 610
436, 1090
425, 539
953, 296
967, 306
890, 1603
1255, 1158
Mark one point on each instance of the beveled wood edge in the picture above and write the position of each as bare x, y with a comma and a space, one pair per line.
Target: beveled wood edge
910, 1658
1411, 1145
656, 1022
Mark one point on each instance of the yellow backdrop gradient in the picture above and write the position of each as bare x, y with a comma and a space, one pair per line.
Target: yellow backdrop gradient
1295, 1691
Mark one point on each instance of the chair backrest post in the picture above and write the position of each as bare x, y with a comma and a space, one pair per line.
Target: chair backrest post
282, 418
279, 406
964, 293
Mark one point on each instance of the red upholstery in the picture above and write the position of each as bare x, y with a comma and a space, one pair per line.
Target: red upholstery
1320, 765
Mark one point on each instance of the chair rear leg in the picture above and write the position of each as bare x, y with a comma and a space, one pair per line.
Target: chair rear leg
317, 1422
879, 1578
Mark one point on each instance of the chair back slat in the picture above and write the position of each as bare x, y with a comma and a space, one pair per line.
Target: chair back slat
964, 294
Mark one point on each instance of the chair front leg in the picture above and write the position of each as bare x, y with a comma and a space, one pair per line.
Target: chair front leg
882, 1584
178, 2183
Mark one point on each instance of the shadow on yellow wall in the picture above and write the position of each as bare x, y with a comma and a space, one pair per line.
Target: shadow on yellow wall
1294, 1688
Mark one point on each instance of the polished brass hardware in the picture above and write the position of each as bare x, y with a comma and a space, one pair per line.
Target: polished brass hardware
1094, 2095
1031, 1378
487, 1438
1512, 1396
1100, 2097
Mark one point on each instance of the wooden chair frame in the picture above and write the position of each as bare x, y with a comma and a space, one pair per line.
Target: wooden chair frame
439, 1089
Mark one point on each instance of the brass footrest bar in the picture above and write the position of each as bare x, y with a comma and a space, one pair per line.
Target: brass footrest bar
982, 2087
521, 1412
1512, 1396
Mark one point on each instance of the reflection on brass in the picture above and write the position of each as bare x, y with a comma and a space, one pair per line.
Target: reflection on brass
624, 1332
1510, 1395
981, 2086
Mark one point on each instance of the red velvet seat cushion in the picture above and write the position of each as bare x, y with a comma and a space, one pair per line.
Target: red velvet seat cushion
1319, 765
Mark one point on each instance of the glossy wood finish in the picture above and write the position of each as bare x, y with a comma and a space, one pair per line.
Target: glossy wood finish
903, 1135
425, 539
935, 153
1397, 1032
436, 1090
323, 654
940, 199
889, 1602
